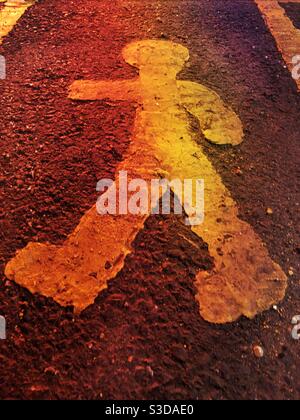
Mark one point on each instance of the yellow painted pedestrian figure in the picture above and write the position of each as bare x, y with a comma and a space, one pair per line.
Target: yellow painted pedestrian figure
245, 280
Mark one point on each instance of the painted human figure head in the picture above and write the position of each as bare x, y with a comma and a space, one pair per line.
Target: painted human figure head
154, 56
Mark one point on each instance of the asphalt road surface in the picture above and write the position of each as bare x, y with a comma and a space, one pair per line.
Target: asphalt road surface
143, 338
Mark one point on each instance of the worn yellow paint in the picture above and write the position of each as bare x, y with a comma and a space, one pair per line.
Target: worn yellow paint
245, 280
10, 13
286, 35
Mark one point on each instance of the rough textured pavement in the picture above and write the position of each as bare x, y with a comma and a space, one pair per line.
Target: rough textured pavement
143, 338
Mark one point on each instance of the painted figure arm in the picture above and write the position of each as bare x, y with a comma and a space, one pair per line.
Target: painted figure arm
92, 90
218, 122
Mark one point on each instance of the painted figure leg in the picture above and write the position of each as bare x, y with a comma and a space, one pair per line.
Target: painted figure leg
245, 280
75, 273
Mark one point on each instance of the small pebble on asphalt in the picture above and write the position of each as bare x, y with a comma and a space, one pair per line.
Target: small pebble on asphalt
258, 352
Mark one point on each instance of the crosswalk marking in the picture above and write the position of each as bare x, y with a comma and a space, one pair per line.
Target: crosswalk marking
10, 13
286, 35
